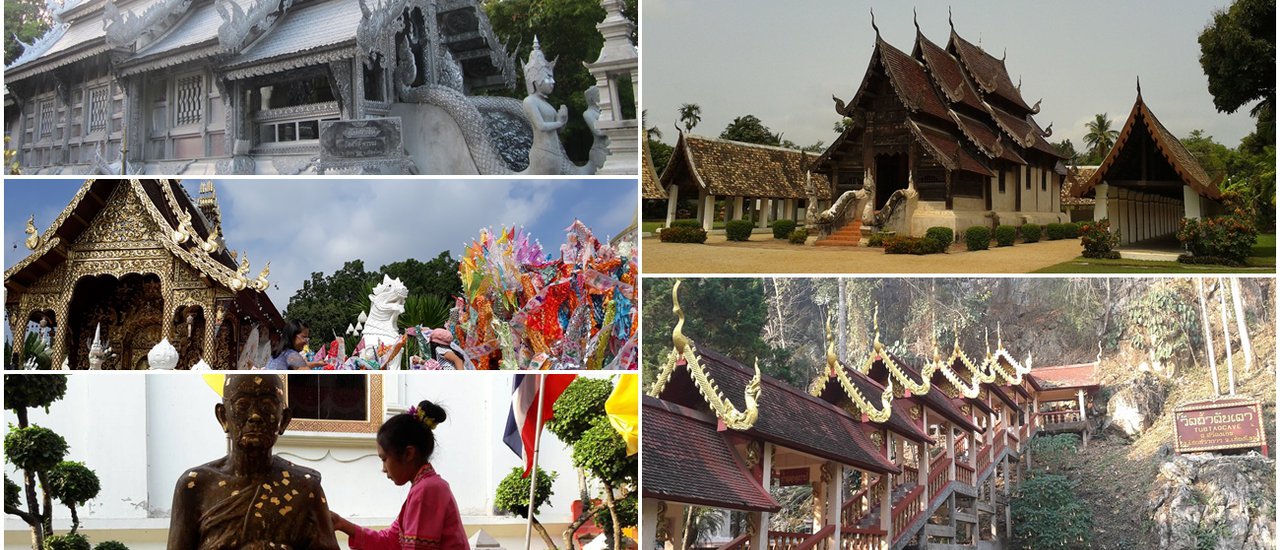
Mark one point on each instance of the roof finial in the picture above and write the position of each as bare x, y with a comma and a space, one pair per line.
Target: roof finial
678, 339
873, 22
1139, 80
915, 18
949, 21
1019, 79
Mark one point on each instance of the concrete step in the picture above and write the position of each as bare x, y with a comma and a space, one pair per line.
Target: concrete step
827, 242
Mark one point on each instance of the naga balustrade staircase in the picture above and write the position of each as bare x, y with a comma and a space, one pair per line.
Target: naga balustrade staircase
912, 505
852, 232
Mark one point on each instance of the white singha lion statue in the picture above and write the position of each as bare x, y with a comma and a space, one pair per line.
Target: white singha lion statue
385, 306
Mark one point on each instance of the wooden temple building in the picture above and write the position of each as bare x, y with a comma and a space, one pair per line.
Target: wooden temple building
229, 86
940, 137
731, 180
132, 263
1149, 182
897, 455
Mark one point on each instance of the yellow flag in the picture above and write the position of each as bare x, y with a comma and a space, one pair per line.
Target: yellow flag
623, 408
216, 381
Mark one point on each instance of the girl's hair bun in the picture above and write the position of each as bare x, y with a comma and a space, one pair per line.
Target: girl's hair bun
431, 411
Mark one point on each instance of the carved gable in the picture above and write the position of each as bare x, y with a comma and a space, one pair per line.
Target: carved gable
122, 219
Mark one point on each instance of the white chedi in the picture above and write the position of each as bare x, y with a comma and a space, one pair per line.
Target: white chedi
201, 365
164, 356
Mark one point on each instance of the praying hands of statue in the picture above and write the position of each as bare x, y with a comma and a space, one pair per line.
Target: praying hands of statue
251, 499
562, 116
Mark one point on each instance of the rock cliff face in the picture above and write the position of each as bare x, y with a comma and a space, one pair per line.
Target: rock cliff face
1219, 502
1135, 405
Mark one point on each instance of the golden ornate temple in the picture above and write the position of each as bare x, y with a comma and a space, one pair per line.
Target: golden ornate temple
130, 263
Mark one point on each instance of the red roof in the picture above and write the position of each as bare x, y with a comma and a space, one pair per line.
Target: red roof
910, 81
693, 464
948, 74
1083, 375
988, 72
935, 400
899, 422
947, 150
988, 139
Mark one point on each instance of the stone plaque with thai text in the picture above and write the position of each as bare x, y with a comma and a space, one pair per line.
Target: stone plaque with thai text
372, 145
1218, 425
792, 476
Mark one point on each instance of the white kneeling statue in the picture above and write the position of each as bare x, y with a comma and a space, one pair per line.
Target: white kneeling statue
385, 306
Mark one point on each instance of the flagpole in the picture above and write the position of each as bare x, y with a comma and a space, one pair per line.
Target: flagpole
533, 472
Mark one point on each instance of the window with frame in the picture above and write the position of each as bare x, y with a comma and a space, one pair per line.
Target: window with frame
189, 93
1028, 178
350, 403
98, 100
1044, 180
1001, 178
46, 118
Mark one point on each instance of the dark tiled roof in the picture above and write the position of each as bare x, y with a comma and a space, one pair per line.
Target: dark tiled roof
947, 150
736, 169
797, 420
1077, 176
686, 460
899, 422
311, 26
988, 139
948, 74
910, 81
935, 399
989, 72
648, 176
1141, 119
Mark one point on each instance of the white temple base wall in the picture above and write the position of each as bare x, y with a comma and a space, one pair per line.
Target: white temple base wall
968, 212
433, 140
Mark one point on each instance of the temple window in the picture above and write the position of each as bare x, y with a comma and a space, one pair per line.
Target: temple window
374, 77
292, 110
1028, 168
46, 119
189, 94
350, 403
1001, 181
1044, 180
98, 109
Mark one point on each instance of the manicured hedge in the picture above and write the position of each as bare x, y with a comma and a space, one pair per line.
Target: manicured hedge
783, 228
799, 236
1030, 232
977, 237
697, 224
876, 240
911, 245
675, 234
738, 230
1005, 235
1057, 231
944, 235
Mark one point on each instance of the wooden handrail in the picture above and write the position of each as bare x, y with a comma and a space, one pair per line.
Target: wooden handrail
964, 473
905, 512
862, 538
741, 542
851, 510
816, 538
785, 540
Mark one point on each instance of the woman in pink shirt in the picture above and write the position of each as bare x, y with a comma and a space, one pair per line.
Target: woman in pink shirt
429, 518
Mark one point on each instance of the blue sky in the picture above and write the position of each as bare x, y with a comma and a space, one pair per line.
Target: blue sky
782, 61
307, 225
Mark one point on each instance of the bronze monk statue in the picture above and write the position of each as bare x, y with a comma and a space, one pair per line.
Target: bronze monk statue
251, 499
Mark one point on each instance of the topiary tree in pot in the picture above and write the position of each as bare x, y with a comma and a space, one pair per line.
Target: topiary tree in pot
512, 497
39, 452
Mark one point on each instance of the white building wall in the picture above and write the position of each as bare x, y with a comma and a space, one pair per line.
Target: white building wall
139, 433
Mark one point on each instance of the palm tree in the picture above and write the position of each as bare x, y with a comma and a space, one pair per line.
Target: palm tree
1100, 137
652, 134
690, 115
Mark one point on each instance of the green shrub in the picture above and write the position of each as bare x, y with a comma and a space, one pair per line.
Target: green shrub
1030, 232
697, 224
876, 240
977, 237
799, 236
1073, 229
943, 235
1047, 514
66, 542
675, 234
12, 493
33, 390
117, 545
512, 494
911, 245
1051, 451
34, 448
1005, 235
1056, 231
738, 230
72, 483
1098, 240
782, 228
578, 406
1229, 237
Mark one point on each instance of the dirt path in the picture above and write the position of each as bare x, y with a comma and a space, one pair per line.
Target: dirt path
765, 255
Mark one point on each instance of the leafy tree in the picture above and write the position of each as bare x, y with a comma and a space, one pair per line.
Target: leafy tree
749, 129
652, 133
690, 115
1100, 137
1211, 155
38, 452
24, 20
661, 155
438, 277
1238, 54
579, 420
1068, 150
841, 125
1047, 514
566, 31
512, 497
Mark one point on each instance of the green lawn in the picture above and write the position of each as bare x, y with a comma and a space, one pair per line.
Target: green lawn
1261, 260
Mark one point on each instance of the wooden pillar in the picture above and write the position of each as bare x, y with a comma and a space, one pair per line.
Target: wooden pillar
675, 523
649, 524
673, 201
886, 509
835, 501
951, 451
761, 539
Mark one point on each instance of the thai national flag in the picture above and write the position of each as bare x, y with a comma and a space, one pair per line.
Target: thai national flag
522, 421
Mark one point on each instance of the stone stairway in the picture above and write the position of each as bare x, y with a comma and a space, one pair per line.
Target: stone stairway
872, 518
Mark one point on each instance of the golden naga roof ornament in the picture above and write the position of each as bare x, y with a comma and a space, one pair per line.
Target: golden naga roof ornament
33, 236
860, 401
895, 370
683, 352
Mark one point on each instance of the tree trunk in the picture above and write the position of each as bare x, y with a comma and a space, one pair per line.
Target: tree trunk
777, 301
1208, 336
47, 511
1226, 338
613, 516
75, 519
542, 532
581, 519
842, 324
1242, 326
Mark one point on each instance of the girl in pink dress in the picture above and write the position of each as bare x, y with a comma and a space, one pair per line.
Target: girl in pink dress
429, 518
